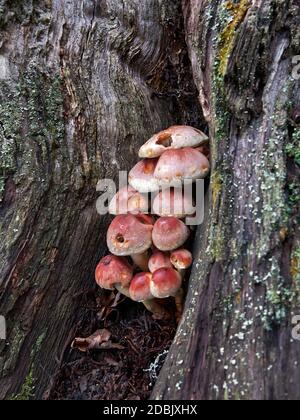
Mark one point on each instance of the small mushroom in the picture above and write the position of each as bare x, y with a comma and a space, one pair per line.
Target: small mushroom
141, 177
114, 273
169, 233
139, 291
176, 166
181, 259
159, 260
165, 282
130, 235
174, 202
176, 137
128, 200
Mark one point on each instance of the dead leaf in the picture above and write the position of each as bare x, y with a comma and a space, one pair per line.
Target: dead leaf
100, 340
94, 342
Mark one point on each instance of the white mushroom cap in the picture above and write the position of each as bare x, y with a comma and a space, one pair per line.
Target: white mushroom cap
176, 166
176, 137
128, 235
174, 202
128, 200
141, 177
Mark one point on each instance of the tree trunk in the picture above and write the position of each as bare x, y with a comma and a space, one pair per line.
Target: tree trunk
235, 340
82, 85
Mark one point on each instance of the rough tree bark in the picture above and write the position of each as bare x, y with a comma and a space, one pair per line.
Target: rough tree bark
82, 84
235, 339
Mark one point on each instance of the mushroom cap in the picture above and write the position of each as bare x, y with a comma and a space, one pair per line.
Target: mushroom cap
165, 283
113, 270
129, 234
141, 177
175, 166
140, 287
181, 259
169, 233
174, 202
128, 200
176, 137
159, 260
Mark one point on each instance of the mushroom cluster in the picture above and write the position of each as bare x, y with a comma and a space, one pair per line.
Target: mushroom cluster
149, 256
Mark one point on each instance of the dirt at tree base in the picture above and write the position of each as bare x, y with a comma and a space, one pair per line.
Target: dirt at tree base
114, 374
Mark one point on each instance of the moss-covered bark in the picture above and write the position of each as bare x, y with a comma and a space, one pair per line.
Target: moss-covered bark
235, 339
82, 85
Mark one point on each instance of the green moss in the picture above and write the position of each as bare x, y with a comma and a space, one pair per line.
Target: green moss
27, 390
44, 106
39, 342
30, 113
10, 137
216, 187
295, 267
237, 11
293, 148
14, 350
278, 302
279, 296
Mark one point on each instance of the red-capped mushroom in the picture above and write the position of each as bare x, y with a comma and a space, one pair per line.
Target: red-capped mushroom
174, 202
130, 235
176, 166
159, 260
141, 177
169, 233
181, 259
176, 137
128, 200
165, 283
114, 273
139, 291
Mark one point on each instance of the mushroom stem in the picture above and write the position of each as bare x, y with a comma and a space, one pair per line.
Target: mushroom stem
158, 310
123, 290
182, 272
179, 300
141, 260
